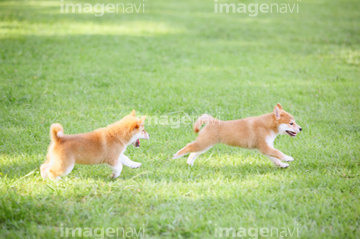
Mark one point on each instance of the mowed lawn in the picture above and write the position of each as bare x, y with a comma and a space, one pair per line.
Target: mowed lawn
180, 59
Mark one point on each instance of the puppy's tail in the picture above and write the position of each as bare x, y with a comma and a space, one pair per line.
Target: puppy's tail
56, 132
205, 118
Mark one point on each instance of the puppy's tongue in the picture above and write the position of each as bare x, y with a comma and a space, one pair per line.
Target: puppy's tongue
137, 143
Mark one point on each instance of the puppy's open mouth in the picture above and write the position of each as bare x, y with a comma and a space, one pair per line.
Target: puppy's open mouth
137, 143
291, 133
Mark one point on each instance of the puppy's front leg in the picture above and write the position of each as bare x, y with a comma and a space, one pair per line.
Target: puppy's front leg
275, 155
117, 168
127, 162
287, 158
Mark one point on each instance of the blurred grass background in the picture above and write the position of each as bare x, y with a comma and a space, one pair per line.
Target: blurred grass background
177, 59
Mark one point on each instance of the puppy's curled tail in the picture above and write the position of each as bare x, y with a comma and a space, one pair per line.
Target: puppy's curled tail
205, 118
56, 132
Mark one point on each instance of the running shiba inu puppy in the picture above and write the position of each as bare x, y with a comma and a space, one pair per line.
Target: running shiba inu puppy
102, 146
252, 133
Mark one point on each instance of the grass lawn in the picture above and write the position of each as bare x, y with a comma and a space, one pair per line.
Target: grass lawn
179, 59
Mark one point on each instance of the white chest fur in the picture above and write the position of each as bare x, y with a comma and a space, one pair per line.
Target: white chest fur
270, 139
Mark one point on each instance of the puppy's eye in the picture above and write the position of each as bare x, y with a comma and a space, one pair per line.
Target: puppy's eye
291, 123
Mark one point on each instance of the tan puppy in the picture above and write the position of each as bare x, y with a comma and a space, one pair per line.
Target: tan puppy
105, 145
252, 133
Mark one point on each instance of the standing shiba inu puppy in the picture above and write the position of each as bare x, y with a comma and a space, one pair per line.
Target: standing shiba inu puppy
252, 133
105, 145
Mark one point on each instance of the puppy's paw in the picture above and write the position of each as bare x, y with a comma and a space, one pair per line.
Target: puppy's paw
283, 165
176, 156
135, 165
288, 158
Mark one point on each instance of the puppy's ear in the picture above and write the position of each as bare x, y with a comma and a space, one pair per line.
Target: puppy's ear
279, 106
136, 125
142, 119
132, 113
277, 112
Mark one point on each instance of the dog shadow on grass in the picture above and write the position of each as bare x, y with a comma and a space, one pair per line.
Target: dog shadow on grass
156, 169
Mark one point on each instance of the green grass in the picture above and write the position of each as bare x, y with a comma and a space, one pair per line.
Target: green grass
179, 59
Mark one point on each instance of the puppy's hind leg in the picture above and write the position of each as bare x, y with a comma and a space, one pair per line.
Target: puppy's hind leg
204, 142
128, 162
193, 156
194, 147
60, 167
44, 169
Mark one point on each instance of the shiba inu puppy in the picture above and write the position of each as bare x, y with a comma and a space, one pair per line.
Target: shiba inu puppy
102, 146
252, 133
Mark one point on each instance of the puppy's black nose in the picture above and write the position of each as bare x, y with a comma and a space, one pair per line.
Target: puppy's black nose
300, 129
